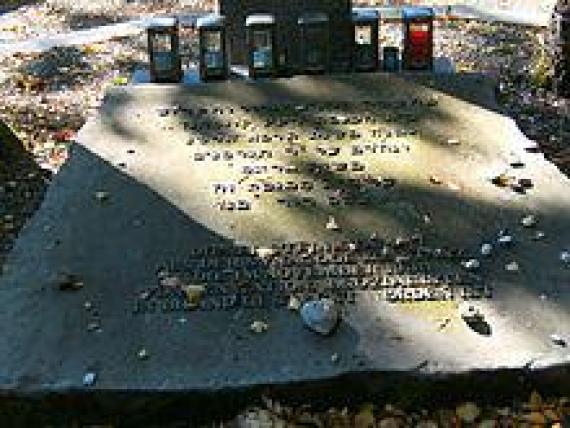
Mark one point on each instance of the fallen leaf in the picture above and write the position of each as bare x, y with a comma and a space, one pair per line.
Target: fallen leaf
535, 402
535, 418
365, 417
468, 412
391, 423
193, 294
120, 80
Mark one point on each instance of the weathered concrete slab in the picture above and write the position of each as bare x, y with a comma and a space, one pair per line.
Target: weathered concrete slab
160, 208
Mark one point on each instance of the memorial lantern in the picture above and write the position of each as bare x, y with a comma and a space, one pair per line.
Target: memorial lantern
560, 47
418, 38
261, 45
163, 47
365, 36
314, 30
213, 56
390, 58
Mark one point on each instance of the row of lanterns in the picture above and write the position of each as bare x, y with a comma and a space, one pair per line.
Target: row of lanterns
314, 28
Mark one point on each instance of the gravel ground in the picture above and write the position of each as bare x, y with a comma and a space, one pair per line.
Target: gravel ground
534, 412
47, 97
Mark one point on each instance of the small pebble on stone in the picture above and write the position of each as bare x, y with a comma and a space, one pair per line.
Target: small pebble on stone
505, 240
486, 249
93, 326
332, 224
89, 379
294, 303
471, 264
258, 327
512, 267
528, 221
101, 196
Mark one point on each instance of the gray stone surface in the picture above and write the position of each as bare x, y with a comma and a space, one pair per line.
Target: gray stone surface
159, 207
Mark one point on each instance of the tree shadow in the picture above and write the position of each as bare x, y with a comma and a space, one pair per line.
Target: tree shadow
22, 186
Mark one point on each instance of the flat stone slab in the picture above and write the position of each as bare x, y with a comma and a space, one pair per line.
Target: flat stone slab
143, 191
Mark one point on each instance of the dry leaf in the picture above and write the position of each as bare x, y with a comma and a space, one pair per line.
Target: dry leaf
468, 412
535, 402
365, 417
535, 418
193, 294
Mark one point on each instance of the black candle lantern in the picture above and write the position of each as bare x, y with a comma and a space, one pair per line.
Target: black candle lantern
391, 58
163, 47
213, 56
261, 45
314, 42
418, 38
365, 36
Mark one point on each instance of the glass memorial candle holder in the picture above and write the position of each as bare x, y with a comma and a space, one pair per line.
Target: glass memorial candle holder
163, 46
314, 28
418, 38
213, 54
365, 47
261, 45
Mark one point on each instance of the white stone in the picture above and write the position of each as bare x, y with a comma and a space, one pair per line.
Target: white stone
332, 224
294, 304
101, 196
565, 257
528, 221
258, 326
89, 379
512, 267
486, 249
505, 240
321, 316
469, 312
471, 264
264, 252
